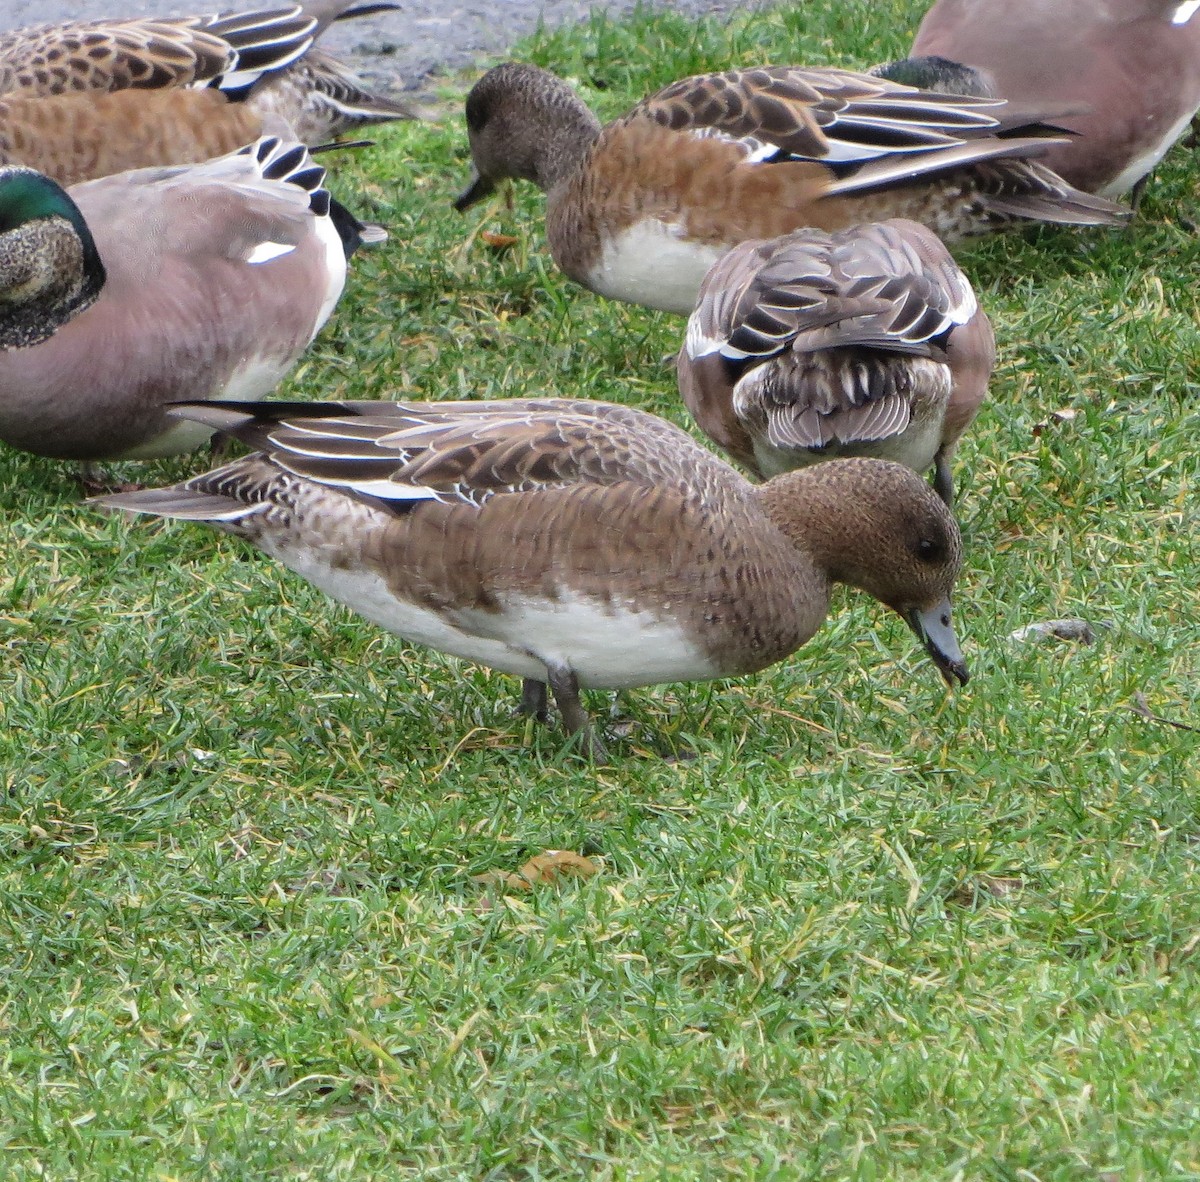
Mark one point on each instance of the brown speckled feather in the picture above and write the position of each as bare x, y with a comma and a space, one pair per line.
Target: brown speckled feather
877, 134
319, 98
816, 344
817, 113
88, 100
148, 53
472, 450
73, 139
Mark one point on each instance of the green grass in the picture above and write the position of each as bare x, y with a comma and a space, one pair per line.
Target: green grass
862, 928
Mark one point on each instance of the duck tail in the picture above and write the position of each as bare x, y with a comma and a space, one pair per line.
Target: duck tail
1026, 190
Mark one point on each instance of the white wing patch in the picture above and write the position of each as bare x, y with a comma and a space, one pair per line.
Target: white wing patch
384, 490
264, 252
756, 150
697, 342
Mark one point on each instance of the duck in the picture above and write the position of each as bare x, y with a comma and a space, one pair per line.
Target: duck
572, 543
639, 210
120, 295
1130, 68
81, 100
155, 53
867, 341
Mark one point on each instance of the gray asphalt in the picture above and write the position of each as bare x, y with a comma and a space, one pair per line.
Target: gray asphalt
397, 50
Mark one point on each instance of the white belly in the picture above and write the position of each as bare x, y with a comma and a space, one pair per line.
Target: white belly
254, 379
609, 646
1138, 168
652, 264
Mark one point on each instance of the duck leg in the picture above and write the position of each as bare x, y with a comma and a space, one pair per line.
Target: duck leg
943, 481
565, 685
1135, 194
533, 700
91, 480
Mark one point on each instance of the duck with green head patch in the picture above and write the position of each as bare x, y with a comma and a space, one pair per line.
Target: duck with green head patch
50, 269
120, 295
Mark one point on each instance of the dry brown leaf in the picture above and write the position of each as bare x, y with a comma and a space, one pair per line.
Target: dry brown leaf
996, 885
1069, 629
999, 886
1065, 415
548, 867
498, 241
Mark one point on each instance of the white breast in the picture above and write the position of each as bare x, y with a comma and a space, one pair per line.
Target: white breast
653, 264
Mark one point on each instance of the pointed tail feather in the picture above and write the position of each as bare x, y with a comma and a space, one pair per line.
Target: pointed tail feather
1007, 182
179, 503
251, 422
1029, 191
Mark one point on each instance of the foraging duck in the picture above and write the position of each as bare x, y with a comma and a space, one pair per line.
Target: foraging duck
1133, 66
129, 292
571, 543
84, 100
640, 209
868, 341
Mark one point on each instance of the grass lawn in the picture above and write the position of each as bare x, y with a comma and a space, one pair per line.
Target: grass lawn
846, 924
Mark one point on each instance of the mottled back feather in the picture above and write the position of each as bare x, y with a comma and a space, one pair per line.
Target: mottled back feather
818, 114
468, 451
151, 53
818, 340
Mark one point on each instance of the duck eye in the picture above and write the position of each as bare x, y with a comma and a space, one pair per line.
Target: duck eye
928, 550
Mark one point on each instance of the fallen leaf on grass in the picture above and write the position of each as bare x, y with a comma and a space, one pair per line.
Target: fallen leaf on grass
547, 867
998, 886
1065, 415
1070, 629
498, 241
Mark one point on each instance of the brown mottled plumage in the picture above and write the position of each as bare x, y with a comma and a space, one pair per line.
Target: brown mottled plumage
568, 542
868, 341
1131, 69
73, 139
318, 98
639, 210
84, 100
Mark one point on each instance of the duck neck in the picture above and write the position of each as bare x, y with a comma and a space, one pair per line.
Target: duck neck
819, 516
568, 137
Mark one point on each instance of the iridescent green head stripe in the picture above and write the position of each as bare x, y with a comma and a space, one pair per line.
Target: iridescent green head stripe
50, 269
26, 195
